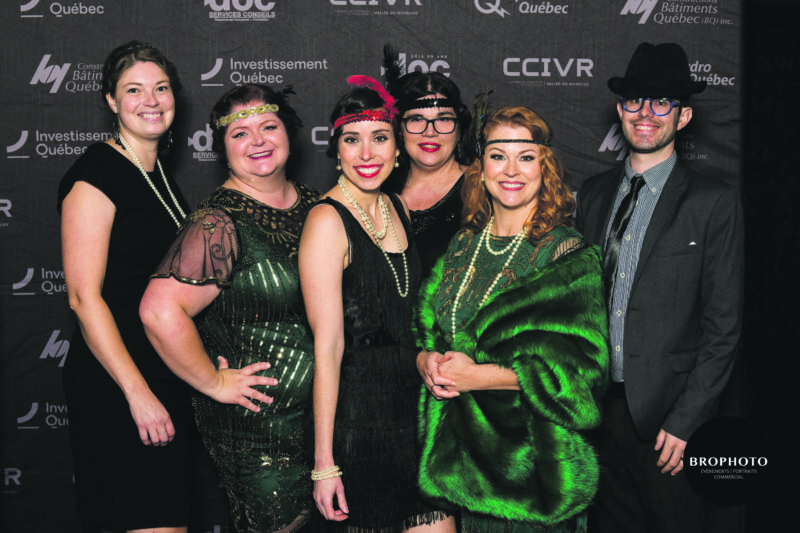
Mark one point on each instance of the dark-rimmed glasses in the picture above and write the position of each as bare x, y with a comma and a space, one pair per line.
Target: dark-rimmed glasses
659, 106
418, 124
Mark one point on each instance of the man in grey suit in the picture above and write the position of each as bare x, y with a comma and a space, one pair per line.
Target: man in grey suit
673, 261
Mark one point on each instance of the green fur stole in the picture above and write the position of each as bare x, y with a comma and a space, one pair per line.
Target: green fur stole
519, 455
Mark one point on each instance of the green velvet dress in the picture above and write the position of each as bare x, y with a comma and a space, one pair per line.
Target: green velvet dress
517, 461
249, 250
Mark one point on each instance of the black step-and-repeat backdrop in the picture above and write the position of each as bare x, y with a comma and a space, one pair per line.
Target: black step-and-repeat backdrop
554, 56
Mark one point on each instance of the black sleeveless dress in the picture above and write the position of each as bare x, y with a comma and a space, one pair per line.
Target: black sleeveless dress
375, 429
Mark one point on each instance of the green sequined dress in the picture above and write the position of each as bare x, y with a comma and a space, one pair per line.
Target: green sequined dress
249, 250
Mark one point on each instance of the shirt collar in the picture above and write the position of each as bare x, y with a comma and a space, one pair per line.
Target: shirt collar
654, 177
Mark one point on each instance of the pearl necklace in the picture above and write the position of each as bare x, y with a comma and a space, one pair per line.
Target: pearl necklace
387, 221
485, 236
150, 183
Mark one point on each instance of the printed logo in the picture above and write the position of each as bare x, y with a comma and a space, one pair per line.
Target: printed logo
639, 7
5, 208
52, 282
676, 12
240, 10
704, 72
23, 138
54, 415
265, 71
615, 141
201, 141
61, 10
205, 77
62, 143
321, 135
55, 349
50, 73
11, 477
548, 71
490, 7
379, 7
422, 63
86, 78
24, 419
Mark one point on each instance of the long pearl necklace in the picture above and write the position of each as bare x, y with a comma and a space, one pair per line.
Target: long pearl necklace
387, 221
150, 183
485, 236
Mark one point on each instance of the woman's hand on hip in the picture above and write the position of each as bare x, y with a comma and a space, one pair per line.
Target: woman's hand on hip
236, 386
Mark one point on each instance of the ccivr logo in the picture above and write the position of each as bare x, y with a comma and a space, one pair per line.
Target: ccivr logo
547, 66
50, 73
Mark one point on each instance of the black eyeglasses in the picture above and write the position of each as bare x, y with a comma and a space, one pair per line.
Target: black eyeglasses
659, 106
418, 124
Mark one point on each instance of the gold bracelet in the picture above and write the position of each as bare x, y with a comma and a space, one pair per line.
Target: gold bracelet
318, 475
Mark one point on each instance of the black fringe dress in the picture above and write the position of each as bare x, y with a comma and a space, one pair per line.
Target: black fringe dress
375, 429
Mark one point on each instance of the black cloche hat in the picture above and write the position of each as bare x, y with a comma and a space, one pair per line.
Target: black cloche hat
660, 70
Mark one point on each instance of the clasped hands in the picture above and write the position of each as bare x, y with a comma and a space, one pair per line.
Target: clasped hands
445, 375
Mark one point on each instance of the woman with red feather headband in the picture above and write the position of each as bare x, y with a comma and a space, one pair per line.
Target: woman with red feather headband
360, 274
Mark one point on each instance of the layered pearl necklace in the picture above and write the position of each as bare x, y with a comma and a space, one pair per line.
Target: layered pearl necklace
485, 237
150, 183
387, 222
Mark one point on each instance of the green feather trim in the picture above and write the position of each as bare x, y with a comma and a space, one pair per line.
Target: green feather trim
520, 455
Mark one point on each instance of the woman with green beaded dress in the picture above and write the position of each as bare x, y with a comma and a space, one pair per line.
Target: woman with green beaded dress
513, 329
227, 296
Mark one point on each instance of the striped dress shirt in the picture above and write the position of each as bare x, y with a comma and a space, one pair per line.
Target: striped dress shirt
655, 178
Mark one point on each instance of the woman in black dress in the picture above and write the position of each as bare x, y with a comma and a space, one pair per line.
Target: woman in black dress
359, 274
438, 144
130, 419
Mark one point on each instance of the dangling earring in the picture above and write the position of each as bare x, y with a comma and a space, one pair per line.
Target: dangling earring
396, 163
115, 129
338, 164
482, 178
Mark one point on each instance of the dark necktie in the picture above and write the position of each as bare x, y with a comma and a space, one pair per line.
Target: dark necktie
618, 227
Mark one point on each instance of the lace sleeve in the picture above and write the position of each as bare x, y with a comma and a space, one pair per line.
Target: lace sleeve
205, 250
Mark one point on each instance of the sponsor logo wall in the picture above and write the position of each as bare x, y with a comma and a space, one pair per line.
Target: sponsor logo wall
552, 55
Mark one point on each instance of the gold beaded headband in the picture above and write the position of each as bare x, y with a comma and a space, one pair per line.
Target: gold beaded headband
257, 110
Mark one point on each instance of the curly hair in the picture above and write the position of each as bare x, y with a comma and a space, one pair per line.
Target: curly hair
555, 201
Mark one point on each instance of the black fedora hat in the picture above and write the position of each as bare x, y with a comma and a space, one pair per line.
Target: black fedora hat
657, 70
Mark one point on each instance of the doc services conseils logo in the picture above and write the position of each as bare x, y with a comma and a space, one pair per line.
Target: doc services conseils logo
240, 10
60, 9
496, 7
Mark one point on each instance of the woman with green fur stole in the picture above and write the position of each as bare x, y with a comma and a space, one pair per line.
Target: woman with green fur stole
512, 324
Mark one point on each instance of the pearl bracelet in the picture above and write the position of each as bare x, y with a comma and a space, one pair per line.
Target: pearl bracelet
319, 475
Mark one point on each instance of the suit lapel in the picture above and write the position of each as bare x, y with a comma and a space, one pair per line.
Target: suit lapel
662, 215
606, 205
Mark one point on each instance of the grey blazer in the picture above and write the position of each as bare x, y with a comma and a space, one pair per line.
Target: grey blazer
684, 313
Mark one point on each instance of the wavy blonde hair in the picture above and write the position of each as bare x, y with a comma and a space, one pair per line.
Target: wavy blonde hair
555, 203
